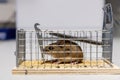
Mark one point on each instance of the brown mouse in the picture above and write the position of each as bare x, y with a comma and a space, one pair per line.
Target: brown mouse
64, 51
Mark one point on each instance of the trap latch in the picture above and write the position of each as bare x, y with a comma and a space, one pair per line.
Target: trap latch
39, 36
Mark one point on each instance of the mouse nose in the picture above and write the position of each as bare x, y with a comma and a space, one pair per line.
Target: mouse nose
51, 48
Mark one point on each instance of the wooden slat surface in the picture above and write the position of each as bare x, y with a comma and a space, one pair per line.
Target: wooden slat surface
103, 67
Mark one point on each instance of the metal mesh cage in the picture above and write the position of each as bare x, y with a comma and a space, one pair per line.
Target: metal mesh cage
52, 49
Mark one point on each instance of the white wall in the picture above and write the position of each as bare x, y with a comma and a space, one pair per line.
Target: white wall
57, 14
6, 10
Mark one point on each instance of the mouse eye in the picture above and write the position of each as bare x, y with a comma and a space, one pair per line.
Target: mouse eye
51, 48
67, 49
61, 46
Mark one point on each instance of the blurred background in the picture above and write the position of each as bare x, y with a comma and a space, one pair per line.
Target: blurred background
7, 19
8, 24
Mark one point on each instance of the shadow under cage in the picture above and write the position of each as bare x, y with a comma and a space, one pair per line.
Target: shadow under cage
66, 51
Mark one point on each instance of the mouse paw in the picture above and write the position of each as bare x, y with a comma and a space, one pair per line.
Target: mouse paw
76, 62
49, 61
58, 62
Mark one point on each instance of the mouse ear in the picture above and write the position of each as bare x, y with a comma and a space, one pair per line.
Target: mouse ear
63, 42
59, 42
68, 41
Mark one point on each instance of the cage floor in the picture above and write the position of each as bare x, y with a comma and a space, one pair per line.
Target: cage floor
86, 67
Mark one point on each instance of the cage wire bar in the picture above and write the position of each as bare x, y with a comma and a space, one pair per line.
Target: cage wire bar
20, 47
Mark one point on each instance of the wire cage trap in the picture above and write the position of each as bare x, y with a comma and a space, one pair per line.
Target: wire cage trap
66, 51
80, 50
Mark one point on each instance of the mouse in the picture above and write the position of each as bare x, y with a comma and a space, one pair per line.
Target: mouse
65, 51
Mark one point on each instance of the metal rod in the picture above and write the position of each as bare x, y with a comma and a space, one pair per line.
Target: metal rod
90, 50
51, 52
24, 48
43, 56
57, 50
38, 54
83, 39
47, 43
96, 49
31, 49
35, 48
84, 47
70, 46
64, 48
77, 52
